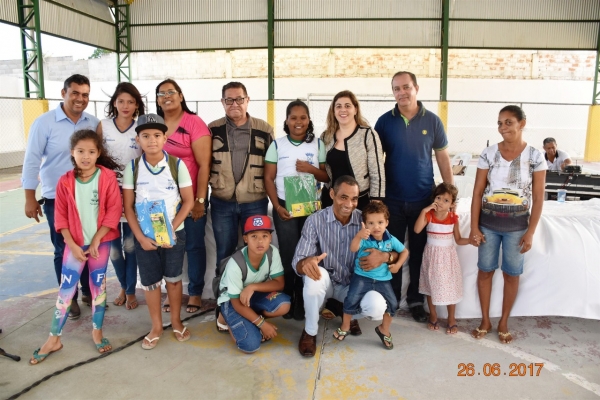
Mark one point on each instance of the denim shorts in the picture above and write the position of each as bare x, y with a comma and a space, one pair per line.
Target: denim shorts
247, 336
489, 252
162, 263
360, 285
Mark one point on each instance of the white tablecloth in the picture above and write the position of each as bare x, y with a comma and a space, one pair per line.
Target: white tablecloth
561, 274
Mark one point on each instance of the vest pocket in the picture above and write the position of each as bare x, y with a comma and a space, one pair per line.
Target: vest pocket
258, 182
216, 180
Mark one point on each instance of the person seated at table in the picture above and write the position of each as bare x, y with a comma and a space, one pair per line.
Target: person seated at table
557, 160
510, 178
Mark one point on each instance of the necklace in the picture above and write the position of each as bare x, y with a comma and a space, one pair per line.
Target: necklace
87, 176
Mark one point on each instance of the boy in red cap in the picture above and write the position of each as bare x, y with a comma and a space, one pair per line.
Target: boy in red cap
257, 296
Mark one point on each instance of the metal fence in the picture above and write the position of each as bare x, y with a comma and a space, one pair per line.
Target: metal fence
470, 125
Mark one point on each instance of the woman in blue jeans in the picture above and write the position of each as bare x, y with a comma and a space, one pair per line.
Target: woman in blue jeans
510, 181
297, 153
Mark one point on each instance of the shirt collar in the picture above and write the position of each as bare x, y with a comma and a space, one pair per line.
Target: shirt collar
245, 127
60, 114
355, 219
386, 236
421, 112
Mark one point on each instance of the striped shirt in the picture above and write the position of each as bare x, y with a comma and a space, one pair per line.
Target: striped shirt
323, 233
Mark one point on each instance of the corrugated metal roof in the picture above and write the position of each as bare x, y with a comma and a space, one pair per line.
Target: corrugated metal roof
203, 36
60, 21
357, 33
526, 9
190, 11
524, 35
8, 12
356, 9
95, 8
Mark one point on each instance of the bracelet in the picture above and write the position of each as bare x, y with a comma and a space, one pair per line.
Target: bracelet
262, 321
278, 207
257, 318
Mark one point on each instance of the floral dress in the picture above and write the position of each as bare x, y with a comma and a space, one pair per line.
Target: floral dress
441, 274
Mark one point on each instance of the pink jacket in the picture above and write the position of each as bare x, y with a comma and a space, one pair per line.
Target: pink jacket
110, 205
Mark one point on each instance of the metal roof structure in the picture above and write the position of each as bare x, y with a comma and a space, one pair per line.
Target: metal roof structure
126, 26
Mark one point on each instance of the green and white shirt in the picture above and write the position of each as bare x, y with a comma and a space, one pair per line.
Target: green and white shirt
86, 198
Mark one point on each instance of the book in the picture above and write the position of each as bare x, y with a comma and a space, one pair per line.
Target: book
301, 195
154, 221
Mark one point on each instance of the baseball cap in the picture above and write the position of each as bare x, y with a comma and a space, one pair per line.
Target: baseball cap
258, 223
150, 121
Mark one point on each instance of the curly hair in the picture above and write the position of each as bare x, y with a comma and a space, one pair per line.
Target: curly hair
310, 131
105, 159
375, 207
444, 188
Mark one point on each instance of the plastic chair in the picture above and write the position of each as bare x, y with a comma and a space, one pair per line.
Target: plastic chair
464, 157
465, 185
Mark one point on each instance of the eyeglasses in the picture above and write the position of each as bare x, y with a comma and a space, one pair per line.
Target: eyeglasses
169, 93
239, 100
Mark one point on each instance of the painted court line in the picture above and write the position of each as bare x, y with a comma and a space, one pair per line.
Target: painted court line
21, 228
27, 253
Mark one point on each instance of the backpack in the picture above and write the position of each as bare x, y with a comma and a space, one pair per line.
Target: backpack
238, 257
172, 161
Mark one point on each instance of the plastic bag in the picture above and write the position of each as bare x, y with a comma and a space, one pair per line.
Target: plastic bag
301, 195
154, 221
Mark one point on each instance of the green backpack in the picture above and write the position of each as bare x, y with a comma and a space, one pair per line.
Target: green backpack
173, 166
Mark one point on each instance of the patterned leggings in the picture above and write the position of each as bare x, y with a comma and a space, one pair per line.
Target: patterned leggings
71, 270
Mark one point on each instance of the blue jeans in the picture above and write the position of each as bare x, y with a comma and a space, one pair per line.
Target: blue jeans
247, 336
360, 285
58, 241
162, 263
403, 215
227, 218
489, 252
196, 254
125, 265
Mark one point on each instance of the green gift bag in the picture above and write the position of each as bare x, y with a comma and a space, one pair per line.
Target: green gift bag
301, 195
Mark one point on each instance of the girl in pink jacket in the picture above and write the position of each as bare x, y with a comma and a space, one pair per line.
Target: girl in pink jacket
87, 212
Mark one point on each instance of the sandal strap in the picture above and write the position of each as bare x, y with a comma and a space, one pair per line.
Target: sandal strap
182, 333
152, 340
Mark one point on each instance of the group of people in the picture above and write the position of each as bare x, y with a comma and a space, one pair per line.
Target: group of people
378, 190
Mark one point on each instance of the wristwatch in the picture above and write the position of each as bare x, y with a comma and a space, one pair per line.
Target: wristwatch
391, 260
200, 200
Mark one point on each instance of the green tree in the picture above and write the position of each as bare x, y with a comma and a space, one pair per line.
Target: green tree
98, 53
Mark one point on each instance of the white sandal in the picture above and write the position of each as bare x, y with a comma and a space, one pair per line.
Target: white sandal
182, 333
223, 328
150, 344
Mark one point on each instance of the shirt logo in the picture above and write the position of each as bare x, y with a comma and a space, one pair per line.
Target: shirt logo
309, 157
257, 222
94, 200
424, 131
171, 185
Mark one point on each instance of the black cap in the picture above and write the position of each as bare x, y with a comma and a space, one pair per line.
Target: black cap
150, 121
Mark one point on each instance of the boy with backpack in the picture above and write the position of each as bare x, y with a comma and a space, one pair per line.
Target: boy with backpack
249, 288
156, 176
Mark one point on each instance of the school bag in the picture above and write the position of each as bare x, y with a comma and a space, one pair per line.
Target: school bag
172, 161
239, 259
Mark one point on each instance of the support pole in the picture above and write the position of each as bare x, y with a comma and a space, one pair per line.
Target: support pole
271, 62
31, 48
443, 104
123, 36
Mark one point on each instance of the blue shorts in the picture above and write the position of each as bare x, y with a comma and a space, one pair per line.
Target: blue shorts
489, 252
247, 336
360, 285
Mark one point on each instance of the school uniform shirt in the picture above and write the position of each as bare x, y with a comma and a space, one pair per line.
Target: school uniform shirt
86, 198
232, 283
285, 152
120, 144
157, 183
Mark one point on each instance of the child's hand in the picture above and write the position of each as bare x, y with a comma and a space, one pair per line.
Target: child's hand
364, 233
148, 244
93, 249
246, 295
394, 268
432, 206
269, 331
283, 213
78, 253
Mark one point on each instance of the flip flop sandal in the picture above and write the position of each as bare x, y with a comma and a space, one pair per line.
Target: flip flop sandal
101, 346
38, 358
131, 305
166, 308
193, 308
183, 338
386, 340
341, 335
355, 328
150, 344
327, 314
433, 326
450, 328
479, 333
222, 328
119, 301
503, 335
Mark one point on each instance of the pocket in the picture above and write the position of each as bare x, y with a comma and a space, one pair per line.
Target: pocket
259, 143
239, 331
216, 180
258, 184
257, 173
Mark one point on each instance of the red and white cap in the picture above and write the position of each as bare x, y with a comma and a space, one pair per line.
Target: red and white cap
258, 223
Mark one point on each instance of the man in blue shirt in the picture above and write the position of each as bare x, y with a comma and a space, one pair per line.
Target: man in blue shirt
48, 155
408, 134
324, 259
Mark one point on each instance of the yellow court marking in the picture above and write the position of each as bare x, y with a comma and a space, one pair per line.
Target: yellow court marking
21, 228
27, 253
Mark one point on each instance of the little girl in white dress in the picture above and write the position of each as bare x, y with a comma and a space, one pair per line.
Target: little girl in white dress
441, 274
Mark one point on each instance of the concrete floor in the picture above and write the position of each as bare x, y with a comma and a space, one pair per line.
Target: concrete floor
423, 364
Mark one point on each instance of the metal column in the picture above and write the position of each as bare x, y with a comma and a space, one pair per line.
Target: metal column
123, 35
271, 62
444, 64
31, 47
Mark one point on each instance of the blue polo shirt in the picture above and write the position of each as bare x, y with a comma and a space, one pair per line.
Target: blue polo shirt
408, 145
387, 244
48, 152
